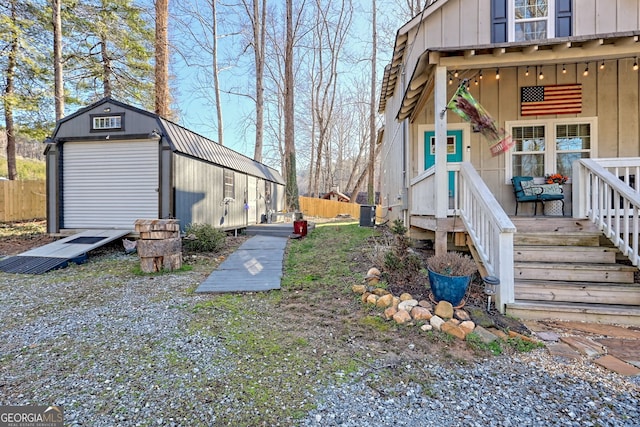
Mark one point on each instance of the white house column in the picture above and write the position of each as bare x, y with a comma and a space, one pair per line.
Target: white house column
441, 175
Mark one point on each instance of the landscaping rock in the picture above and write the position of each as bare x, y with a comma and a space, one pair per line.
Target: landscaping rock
485, 336
480, 316
420, 313
436, 322
453, 330
426, 328
402, 317
468, 326
380, 292
365, 296
461, 314
444, 309
396, 302
405, 296
407, 304
389, 313
359, 289
426, 304
385, 301
373, 272
372, 299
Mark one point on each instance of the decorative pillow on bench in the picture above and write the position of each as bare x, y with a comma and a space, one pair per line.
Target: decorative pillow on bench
526, 188
550, 188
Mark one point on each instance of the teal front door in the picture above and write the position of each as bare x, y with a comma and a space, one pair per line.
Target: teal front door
454, 152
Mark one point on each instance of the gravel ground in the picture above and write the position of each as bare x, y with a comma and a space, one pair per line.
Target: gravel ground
119, 349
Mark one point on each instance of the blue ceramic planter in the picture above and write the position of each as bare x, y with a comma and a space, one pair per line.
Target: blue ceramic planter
448, 288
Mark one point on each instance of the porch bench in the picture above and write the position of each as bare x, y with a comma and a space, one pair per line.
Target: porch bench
527, 192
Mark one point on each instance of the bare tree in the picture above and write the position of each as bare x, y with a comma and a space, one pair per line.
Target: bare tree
57, 59
372, 107
329, 36
256, 10
163, 99
292, 203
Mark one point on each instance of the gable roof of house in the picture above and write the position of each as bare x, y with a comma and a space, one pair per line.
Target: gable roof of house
574, 49
184, 141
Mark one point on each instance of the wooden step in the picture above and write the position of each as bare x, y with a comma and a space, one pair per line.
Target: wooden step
578, 292
594, 313
553, 224
572, 254
556, 239
597, 273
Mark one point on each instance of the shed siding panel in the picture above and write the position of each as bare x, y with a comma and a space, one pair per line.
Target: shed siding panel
199, 195
585, 18
110, 184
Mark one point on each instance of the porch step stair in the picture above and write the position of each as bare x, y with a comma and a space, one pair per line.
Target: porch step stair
565, 269
580, 312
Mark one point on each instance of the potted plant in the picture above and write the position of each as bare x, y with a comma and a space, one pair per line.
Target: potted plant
450, 274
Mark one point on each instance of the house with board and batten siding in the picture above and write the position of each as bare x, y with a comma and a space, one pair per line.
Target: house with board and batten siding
554, 88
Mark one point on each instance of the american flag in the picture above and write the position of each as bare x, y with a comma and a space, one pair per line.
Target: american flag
557, 99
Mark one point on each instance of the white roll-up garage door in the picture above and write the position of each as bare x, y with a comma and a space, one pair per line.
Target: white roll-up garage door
109, 184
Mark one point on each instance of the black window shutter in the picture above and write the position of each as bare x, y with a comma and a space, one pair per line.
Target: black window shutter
499, 21
563, 18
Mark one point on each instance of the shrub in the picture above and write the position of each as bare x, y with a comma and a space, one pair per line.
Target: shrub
203, 238
452, 264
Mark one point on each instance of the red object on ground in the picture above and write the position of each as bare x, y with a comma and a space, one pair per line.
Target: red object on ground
300, 227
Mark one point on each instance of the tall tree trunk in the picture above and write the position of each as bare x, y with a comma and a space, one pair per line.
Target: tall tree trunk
291, 196
216, 80
12, 170
57, 60
372, 111
163, 100
106, 67
259, 35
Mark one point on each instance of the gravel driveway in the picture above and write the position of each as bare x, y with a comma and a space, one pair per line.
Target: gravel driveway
120, 349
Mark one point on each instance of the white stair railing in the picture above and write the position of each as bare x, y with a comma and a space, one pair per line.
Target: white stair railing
490, 229
602, 193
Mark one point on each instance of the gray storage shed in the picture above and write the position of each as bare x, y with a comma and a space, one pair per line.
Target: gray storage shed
111, 163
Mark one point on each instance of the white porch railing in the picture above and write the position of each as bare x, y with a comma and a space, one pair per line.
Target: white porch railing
603, 192
488, 225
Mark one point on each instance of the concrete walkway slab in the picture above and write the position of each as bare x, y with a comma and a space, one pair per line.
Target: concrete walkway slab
255, 266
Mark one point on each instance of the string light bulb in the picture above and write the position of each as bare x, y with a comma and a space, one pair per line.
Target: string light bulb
564, 69
602, 65
526, 73
540, 76
450, 80
480, 75
586, 70
635, 64
497, 73
476, 81
455, 74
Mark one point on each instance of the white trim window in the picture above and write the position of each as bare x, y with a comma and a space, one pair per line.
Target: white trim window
107, 122
229, 184
544, 147
532, 20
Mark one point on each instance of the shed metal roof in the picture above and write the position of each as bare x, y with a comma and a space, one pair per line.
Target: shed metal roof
192, 144
184, 141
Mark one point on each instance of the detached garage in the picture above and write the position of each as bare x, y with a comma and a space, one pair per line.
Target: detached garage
111, 163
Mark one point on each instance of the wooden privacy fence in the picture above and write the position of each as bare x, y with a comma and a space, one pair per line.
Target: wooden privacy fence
323, 208
22, 200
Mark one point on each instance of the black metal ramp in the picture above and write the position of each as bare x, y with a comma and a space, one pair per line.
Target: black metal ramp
60, 253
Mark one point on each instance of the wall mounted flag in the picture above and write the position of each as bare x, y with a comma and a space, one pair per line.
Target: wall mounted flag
464, 105
556, 99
